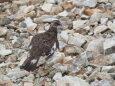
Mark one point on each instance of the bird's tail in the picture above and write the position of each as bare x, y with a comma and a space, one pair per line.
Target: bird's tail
29, 64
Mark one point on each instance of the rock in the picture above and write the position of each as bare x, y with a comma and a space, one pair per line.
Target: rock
6, 83
5, 21
16, 74
4, 78
57, 57
96, 17
3, 31
103, 1
79, 24
109, 46
76, 40
90, 12
29, 78
64, 13
71, 81
47, 7
111, 26
96, 47
28, 84
104, 20
109, 69
51, 1
90, 3
62, 45
100, 29
64, 36
102, 83
45, 18
5, 52
57, 76
29, 9
30, 24
72, 50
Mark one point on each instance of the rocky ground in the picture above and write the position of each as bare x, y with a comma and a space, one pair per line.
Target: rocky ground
87, 42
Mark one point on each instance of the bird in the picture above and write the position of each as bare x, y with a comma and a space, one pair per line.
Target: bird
41, 45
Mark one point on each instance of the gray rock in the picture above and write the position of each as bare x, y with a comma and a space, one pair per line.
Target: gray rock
72, 50
47, 7
29, 78
96, 47
64, 36
30, 25
102, 83
16, 74
111, 26
90, 3
5, 52
57, 76
79, 24
104, 20
109, 46
64, 13
100, 29
3, 31
72, 81
51, 1
96, 17
5, 21
76, 40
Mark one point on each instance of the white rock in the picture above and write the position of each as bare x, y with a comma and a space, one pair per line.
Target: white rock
104, 20
71, 81
64, 36
30, 24
111, 26
64, 13
72, 50
28, 9
109, 46
57, 76
79, 24
105, 1
16, 73
96, 17
51, 1
47, 7
4, 52
28, 84
108, 68
100, 29
57, 57
76, 41
46, 18
96, 46
3, 31
90, 3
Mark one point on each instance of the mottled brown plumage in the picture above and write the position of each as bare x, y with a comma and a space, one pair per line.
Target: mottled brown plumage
41, 45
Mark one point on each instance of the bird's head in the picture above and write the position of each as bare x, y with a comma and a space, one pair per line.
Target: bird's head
56, 24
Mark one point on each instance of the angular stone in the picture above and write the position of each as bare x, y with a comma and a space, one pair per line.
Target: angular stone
28, 84
30, 24
79, 24
64, 36
111, 26
5, 52
47, 7
71, 81
64, 14
109, 46
3, 31
100, 29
